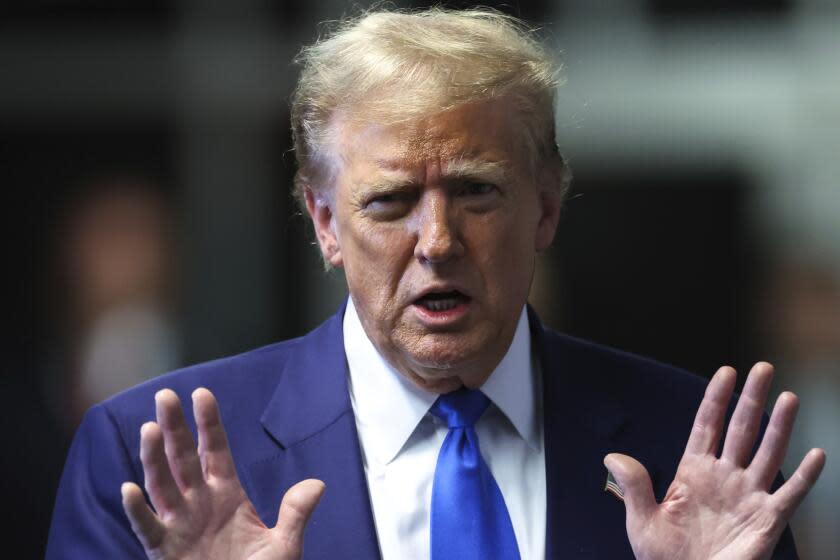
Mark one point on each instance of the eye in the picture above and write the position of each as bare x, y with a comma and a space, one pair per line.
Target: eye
388, 206
478, 189
384, 199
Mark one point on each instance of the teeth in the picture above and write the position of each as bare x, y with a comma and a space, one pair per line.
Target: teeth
440, 304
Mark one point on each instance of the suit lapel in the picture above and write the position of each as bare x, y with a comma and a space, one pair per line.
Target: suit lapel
311, 421
582, 423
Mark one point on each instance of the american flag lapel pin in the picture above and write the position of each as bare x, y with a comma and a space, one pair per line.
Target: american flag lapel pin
613, 488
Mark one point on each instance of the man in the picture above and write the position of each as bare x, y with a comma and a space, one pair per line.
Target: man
444, 419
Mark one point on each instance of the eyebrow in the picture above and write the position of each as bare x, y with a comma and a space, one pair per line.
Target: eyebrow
389, 184
455, 170
494, 171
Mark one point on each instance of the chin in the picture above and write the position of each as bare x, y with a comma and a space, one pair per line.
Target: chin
434, 375
445, 357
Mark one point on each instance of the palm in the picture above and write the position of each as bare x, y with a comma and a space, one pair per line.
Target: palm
695, 519
720, 507
233, 530
201, 510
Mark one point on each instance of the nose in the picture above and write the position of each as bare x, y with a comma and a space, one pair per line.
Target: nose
438, 238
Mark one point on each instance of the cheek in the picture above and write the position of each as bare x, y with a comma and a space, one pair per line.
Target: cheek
504, 254
375, 259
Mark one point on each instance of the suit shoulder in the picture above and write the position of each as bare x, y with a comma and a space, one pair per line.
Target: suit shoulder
623, 372
238, 376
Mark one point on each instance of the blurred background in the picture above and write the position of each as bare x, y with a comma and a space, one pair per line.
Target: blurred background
146, 149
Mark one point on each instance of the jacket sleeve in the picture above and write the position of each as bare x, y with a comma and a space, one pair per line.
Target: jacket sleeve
88, 519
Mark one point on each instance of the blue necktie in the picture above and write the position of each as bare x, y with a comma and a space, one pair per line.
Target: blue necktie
469, 516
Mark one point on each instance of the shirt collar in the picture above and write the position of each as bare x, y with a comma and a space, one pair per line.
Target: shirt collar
388, 407
513, 385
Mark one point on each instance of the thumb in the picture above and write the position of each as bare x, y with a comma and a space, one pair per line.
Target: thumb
633, 479
297, 506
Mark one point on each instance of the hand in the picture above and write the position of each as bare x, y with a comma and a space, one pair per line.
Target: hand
720, 508
202, 511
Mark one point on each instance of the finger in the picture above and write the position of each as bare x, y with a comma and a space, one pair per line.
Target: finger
746, 420
180, 447
634, 481
708, 423
792, 492
213, 449
162, 489
771, 453
145, 524
297, 506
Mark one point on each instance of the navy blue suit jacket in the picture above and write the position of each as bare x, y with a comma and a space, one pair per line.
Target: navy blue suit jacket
288, 416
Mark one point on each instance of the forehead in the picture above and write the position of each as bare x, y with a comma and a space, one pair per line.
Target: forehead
485, 131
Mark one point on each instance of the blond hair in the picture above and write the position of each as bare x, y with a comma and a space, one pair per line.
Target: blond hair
391, 66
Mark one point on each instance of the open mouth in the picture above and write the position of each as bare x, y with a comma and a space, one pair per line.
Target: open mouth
438, 302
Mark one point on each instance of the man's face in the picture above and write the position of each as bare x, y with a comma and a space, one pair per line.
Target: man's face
437, 224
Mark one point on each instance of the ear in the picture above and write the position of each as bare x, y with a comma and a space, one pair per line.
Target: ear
551, 185
322, 219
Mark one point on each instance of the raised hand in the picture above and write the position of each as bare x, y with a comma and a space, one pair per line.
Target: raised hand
720, 507
201, 511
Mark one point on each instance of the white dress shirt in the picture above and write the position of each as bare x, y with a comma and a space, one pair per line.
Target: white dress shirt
400, 440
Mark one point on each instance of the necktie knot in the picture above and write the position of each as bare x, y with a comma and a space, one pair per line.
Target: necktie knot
461, 408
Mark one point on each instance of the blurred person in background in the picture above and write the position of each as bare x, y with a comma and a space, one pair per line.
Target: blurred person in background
802, 324
111, 325
116, 268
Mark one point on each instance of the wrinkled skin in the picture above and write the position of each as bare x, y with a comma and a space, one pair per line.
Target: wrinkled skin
201, 511
720, 507
450, 201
